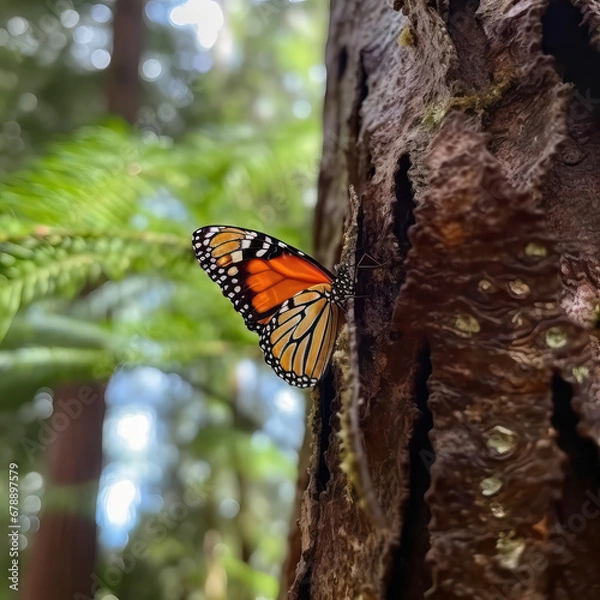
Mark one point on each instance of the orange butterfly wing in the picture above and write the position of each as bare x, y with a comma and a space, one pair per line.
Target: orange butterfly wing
283, 294
277, 280
299, 339
256, 272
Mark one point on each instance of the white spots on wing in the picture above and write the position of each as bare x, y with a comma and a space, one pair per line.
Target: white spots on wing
246, 244
261, 252
237, 256
232, 271
237, 289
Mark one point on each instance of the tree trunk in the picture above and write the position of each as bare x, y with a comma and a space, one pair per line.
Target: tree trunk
124, 90
456, 444
63, 554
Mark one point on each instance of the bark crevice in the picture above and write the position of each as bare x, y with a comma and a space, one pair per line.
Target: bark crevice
581, 452
470, 42
410, 575
342, 62
327, 412
566, 36
575, 535
405, 203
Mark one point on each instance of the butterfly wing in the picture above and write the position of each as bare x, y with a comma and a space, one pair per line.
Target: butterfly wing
256, 272
298, 340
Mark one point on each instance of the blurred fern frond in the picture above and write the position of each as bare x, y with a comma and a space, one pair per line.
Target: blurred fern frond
90, 180
40, 265
107, 206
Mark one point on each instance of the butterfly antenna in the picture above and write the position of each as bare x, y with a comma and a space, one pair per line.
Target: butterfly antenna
377, 264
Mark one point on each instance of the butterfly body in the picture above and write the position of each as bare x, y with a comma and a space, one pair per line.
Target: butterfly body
287, 297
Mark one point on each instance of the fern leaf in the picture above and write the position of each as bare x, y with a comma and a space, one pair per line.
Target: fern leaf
39, 266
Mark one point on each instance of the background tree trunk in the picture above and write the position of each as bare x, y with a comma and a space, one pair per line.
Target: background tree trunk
63, 554
458, 432
124, 89
68, 523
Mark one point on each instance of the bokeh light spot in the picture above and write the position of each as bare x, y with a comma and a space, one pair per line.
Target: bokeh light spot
229, 508
100, 58
151, 69
135, 430
31, 504
101, 13
83, 34
43, 404
33, 481
120, 498
205, 16
301, 109
17, 26
28, 102
69, 18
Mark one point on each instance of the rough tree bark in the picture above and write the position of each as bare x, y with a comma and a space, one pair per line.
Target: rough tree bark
455, 451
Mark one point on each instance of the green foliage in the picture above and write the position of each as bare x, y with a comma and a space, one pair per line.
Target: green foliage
71, 222
96, 267
255, 461
38, 266
81, 181
24, 370
260, 584
97, 270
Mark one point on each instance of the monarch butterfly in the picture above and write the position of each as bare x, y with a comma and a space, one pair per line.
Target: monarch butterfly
287, 297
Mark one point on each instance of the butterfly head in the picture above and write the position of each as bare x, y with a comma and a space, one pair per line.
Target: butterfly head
343, 285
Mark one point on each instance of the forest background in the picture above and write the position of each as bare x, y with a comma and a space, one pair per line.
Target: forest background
124, 125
